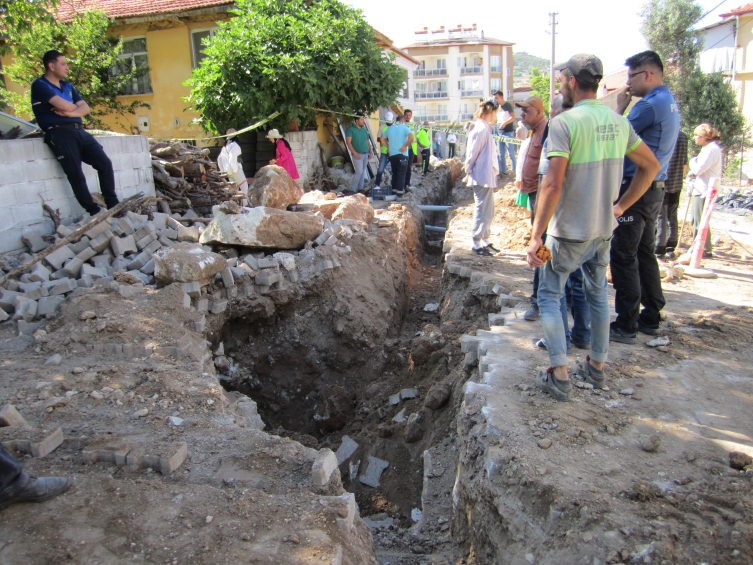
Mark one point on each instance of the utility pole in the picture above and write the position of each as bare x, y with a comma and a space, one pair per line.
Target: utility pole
553, 23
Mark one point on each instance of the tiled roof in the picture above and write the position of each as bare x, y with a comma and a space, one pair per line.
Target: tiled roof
615, 80
134, 8
459, 41
739, 11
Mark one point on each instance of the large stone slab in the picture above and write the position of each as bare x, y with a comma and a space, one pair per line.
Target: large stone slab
263, 228
354, 207
273, 188
186, 262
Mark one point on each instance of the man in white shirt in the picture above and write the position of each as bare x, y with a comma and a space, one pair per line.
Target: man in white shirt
228, 162
452, 139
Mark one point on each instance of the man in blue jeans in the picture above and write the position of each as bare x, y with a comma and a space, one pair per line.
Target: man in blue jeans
505, 128
576, 206
397, 138
384, 157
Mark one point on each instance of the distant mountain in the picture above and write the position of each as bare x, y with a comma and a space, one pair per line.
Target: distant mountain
523, 63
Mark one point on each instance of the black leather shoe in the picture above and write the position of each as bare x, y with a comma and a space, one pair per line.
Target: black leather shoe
648, 330
32, 489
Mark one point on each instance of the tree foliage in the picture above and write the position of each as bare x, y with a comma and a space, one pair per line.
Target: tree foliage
18, 16
91, 56
668, 28
540, 87
286, 55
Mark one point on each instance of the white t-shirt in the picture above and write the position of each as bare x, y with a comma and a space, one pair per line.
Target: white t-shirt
452, 138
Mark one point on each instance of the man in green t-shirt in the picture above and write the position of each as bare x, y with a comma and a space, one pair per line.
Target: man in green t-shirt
357, 140
576, 205
412, 149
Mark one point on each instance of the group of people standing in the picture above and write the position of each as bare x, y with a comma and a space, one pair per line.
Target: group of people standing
600, 187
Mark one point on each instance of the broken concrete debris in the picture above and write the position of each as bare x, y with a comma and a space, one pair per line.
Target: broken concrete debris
373, 472
273, 188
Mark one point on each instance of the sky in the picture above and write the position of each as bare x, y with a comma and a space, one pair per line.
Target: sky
610, 30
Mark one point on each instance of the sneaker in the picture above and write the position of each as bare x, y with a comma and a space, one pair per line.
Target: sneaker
662, 258
532, 314
591, 375
671, 255
618, 334
580, 344
490, 247
560, 390
31, 489
540, 343
648, 330
708, 255
482, 251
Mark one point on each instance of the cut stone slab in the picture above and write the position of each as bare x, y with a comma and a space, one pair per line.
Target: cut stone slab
408, 393
378, 521
347, 448
263, 228
373, 472
9, 416
57, 258
169, 461
33, 240
186, 262
36, 443
324, 465
354, 207
273, 188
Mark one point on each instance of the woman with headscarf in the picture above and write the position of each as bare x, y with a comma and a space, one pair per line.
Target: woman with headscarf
481, 166
706, 166
284, 155
228, 161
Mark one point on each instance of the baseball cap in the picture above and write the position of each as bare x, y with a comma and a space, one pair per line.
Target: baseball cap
534, 101
584, 66
389, 116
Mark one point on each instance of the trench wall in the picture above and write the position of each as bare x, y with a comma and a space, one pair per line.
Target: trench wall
30, 175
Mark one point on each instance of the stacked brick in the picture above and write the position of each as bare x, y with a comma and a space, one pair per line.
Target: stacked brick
303, 146
31, 175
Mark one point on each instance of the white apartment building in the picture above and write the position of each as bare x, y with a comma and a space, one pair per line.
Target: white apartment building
456, 68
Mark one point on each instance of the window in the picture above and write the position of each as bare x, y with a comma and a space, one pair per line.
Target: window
134, 56
421, 65
197, 38
421, 113
496, 63
508, 71
496, 84
441, 63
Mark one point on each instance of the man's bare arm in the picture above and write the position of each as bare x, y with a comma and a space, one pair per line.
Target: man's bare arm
64, 108
648, 168
546, 202
348, 142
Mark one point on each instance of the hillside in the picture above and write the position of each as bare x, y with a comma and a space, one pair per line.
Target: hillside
523, 63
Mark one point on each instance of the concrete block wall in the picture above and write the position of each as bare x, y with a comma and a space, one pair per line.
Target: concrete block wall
305, 152
30, 174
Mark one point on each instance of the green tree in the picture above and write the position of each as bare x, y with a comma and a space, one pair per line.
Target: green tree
18, 16
540, 87
95, 70
286, 55
667, 26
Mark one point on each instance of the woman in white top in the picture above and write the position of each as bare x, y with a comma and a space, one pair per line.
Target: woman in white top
482, 167
706, 166
228, 162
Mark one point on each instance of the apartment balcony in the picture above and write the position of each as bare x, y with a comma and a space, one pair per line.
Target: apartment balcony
471, 93
428, 73
471, 70
434, 118
496, 69
425, 95
466, 116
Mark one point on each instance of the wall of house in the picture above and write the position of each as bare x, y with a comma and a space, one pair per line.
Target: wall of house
30, 175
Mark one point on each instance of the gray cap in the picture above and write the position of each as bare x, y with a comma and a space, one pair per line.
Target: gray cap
584, 66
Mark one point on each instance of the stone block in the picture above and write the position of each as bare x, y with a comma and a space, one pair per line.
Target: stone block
85, 282
126, 226
63, 231
155, 245
202, 305
73, 268
193, 289
169, 233
188, 234
39, 272
101, 242
24, 309
231, 292
124, 245
49, 305
186, 300
6, 300
199, 325
33, 240
159, 219
347, 448
227, 277
78, 246
268, 263
38, 293
252, 262
165, 242
148, 229
27, 287
3, 315
218, 306
102, 261
140, 260
323, 467
407, 393
86, 254
63, 287
57, 258
148, 269
373, 472
9, 416
93, 272
36, 443
146, 240
99, 229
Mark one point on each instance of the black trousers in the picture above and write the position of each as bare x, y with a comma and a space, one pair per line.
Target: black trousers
74, 146
635, 271
411, 159
667, 233
535, 293
10, 469
451, 147
425, 156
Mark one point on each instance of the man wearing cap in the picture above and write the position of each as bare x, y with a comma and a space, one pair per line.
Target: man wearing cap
534, 118
505, 128
576, 205
384, 157
397, 138
357, 139
635, 271
58, 108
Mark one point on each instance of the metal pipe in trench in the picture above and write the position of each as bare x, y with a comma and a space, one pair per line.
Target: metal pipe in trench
432, 208
435, 228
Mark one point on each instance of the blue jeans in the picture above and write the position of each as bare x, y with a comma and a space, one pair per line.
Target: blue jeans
579, 308
510, 148
384, 160
399, 164
567, 256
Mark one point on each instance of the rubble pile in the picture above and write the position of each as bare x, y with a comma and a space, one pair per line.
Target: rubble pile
186, 179
737, 199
